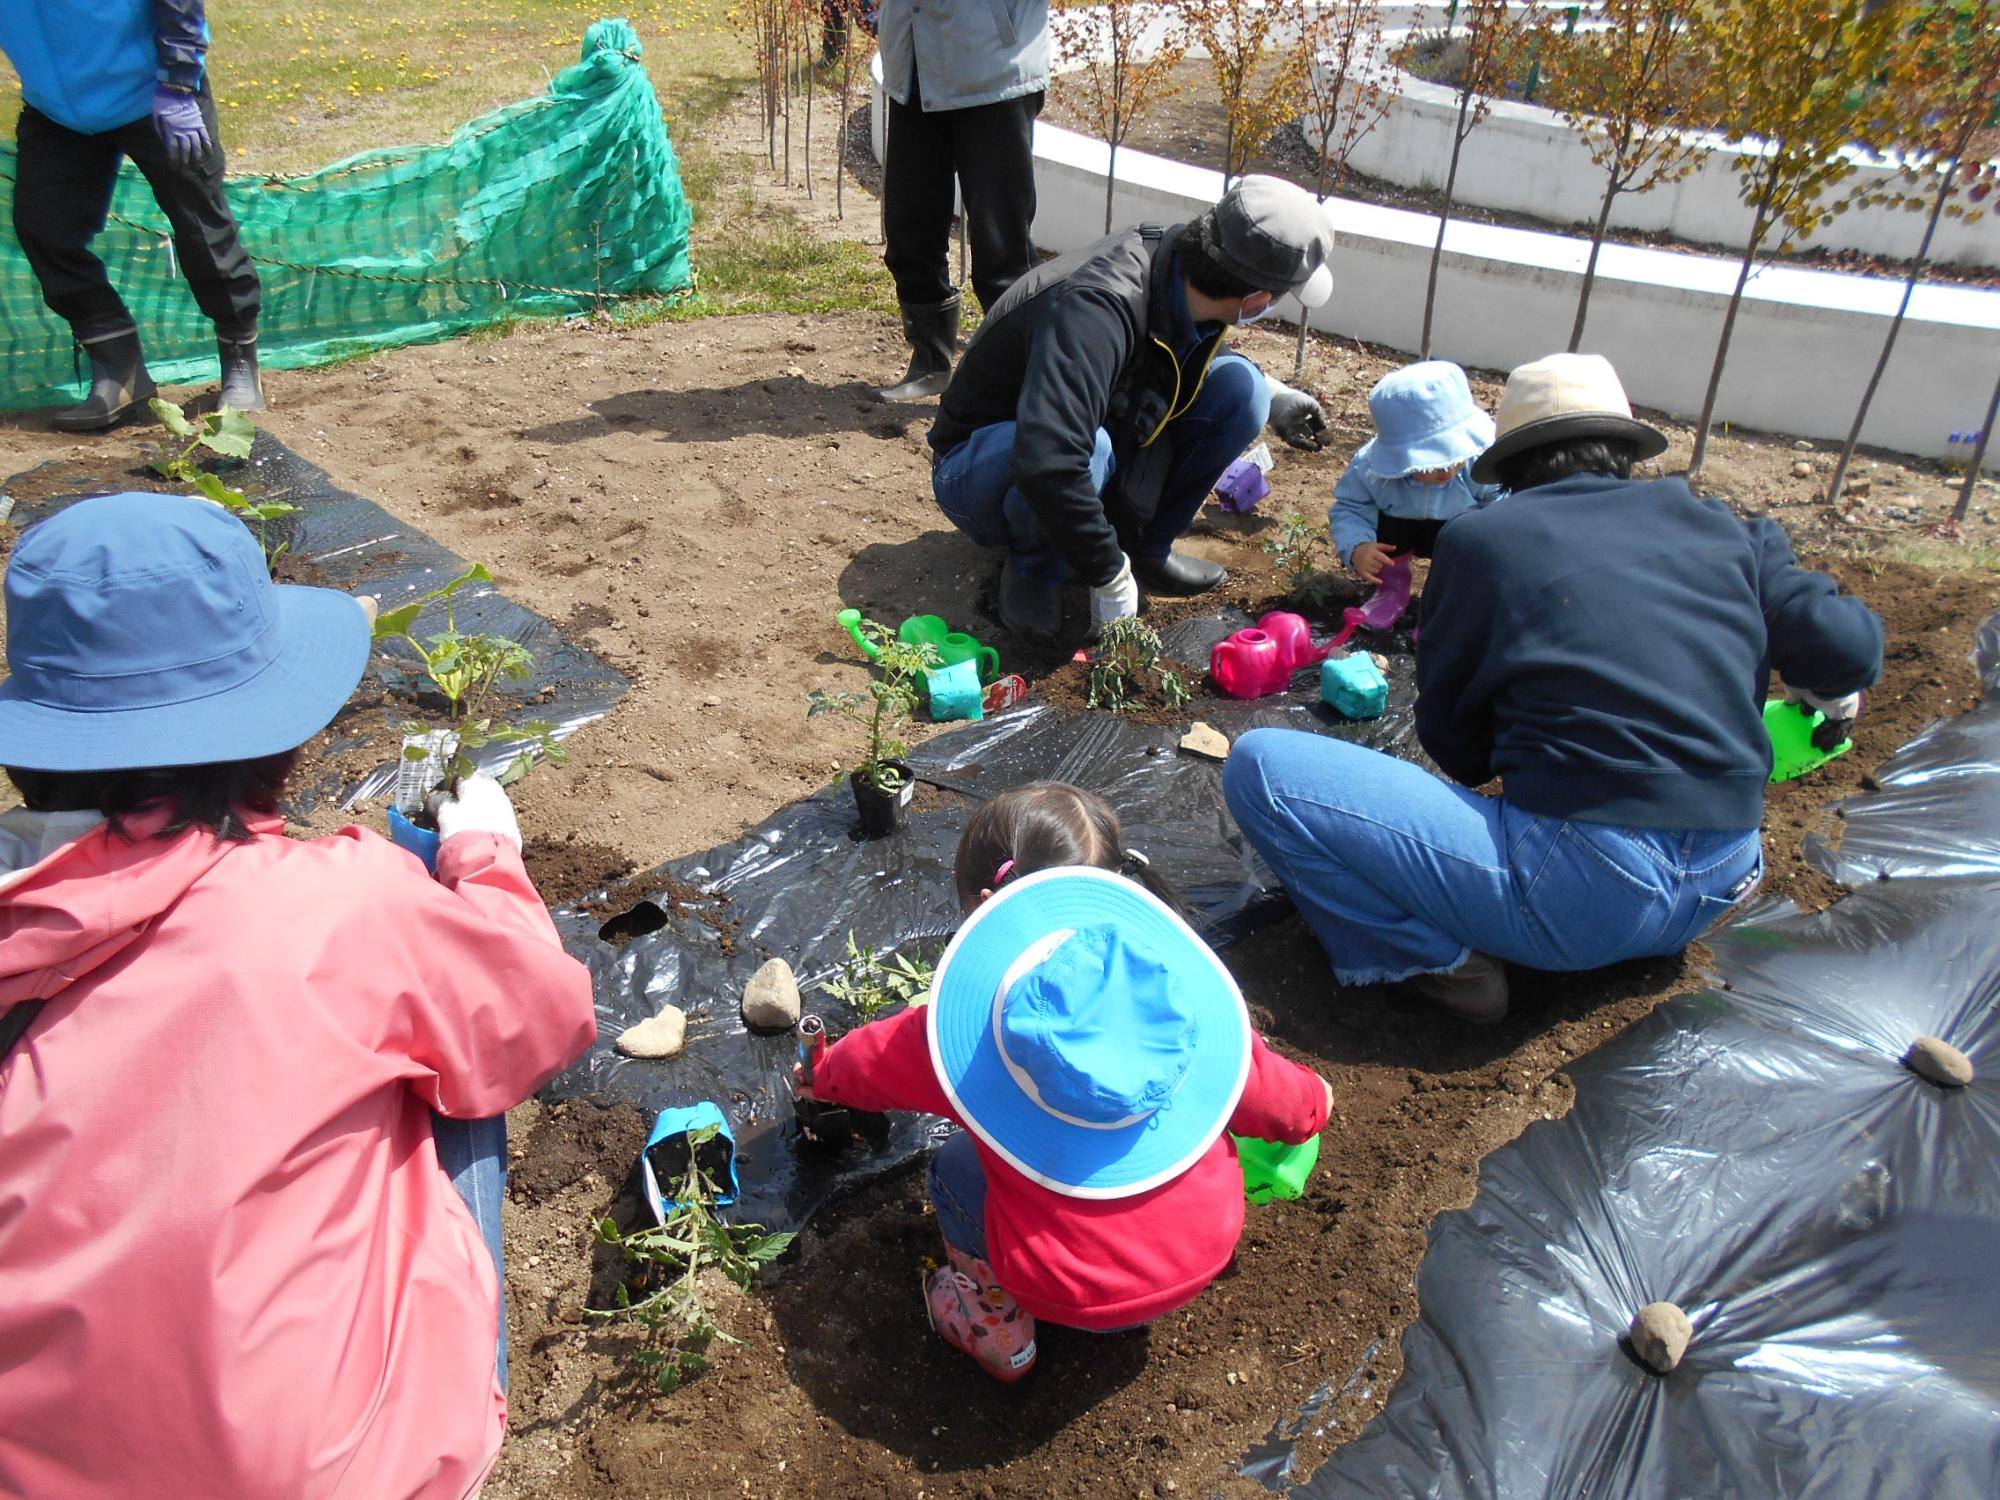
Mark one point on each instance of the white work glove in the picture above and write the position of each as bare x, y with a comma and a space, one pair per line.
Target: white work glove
1117, 599
1840, 714
480, 806
1295, 416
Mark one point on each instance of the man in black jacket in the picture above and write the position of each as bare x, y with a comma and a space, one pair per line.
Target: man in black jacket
1097, 406
1602, 645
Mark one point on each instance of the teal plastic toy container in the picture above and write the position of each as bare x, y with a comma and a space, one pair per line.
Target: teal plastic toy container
1353, 686
1272, 1169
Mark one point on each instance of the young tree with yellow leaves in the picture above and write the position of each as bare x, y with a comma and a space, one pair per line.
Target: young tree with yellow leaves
1630, 89
1105, 43
1947, 80
1345, 90
1237, 35
1797, 84
1497, 37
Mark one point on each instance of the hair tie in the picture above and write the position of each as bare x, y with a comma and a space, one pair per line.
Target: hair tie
1129, 858
1000, 875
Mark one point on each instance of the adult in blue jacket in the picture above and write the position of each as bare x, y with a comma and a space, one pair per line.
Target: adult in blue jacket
1602, 646
104, 80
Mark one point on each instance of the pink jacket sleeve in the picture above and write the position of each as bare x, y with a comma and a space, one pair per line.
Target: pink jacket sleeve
883, 1065
499, 1008
1282, 1101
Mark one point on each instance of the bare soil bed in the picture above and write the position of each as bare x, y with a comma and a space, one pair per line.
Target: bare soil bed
695, 502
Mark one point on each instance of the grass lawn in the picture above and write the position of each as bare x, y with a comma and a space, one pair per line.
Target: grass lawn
299, 86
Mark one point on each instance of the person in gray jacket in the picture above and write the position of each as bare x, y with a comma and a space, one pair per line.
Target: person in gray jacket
965, 81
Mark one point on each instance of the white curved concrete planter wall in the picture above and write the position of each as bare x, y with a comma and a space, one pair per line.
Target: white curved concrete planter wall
1524, 159
1804, 342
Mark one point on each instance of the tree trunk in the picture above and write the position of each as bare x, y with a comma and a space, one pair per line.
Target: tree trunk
1978, 457
1320, 182
1889, 340
1444, 218
1590, 265
1110, 183
1757, 227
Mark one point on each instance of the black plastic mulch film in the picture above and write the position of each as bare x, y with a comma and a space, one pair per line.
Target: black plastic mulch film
798, 884
354, 545
1760, 1156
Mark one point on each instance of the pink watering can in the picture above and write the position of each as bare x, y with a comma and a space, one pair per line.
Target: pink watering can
1254, 662
1384, 607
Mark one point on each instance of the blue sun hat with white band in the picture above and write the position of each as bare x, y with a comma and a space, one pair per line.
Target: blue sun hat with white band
1085, 1034
1425, 418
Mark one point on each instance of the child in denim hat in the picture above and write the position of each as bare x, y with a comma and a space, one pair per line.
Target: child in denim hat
1414, 475
1099, 1058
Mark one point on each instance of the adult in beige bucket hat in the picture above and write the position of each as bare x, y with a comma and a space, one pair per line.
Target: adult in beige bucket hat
1559, 399
1599, 644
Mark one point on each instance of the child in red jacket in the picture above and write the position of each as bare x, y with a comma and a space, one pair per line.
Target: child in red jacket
1097, 1055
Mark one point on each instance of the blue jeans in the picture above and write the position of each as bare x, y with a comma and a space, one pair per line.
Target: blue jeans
974, 483
473, 1154
958, 1193
1399, 873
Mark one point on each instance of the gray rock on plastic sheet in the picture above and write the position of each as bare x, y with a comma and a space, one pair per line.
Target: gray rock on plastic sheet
771, 998
657, 1036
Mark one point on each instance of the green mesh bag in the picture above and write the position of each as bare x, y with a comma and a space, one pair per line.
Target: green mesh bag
548, 206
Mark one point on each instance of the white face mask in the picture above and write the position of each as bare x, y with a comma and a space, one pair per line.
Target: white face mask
1245, 319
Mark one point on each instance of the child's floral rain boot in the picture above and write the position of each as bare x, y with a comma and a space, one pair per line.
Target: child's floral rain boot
974, 1315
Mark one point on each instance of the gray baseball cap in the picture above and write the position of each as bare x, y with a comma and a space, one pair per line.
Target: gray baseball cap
1274, 235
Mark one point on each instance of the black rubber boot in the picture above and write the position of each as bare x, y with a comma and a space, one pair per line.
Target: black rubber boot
932, 329
240, 386
118, 380
1178, 575
1029, 606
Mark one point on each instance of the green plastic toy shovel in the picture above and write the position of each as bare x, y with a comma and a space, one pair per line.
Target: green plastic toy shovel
1793, 753
1272, 1169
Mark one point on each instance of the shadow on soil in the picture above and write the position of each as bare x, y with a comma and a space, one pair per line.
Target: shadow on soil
783, 406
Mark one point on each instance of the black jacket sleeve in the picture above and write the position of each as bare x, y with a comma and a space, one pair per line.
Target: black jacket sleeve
1455, 662
1072, 366
180, 37
1822, 640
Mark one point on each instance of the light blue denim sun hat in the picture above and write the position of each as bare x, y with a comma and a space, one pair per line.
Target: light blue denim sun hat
1085, 1034
144, 630
1425, 418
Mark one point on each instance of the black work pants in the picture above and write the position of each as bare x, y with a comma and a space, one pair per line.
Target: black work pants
990, 149
62, 192
1399, 534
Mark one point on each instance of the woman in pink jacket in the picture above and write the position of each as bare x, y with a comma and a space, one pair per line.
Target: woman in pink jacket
245, 1071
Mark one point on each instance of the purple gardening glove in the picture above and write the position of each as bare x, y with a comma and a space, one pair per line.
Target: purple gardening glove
177, 117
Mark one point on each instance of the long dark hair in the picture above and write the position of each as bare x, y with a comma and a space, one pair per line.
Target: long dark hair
1548, 462
213, 796
1040, 826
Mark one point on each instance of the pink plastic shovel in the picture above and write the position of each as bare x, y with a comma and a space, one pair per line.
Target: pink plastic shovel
1384, 607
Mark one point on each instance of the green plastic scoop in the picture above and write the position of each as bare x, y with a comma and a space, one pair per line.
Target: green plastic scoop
1793, 753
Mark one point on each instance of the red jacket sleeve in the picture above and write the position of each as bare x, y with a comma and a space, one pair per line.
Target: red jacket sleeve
499, 1007
1282, 1101
883, 1065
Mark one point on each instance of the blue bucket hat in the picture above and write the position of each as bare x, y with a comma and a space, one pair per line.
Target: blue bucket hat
144, 630
1425, 418
1084, 1033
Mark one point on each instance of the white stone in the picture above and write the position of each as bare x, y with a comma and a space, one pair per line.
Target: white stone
657, 1036
771, 998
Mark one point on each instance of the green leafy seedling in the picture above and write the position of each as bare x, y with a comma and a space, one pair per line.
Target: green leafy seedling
884, 704
668, 1264
1130, 651
869, 985
465, 667
1298, 549
224, 431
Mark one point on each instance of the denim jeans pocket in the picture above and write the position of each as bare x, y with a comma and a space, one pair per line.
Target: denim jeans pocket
1597, 898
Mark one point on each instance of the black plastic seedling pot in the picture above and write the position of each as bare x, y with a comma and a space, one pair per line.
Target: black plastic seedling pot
882, 812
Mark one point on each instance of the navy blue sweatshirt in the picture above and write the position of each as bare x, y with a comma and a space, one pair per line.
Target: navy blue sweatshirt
1604, 645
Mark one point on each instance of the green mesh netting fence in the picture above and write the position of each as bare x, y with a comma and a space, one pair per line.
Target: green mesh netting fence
547, 206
